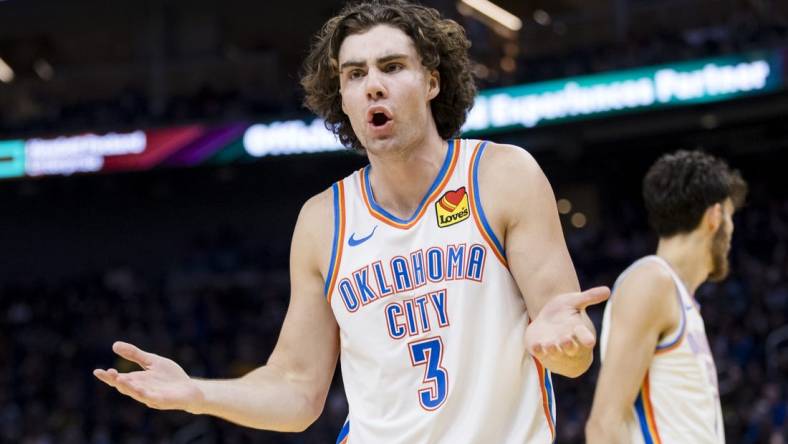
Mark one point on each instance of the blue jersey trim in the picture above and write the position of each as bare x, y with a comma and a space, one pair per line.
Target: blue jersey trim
478, 203
680, 331
548, 382
344, 432
435, 183
641, 414
680, 334
335, 189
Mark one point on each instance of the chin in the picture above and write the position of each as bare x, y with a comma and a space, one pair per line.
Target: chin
720, 270
718, 275
380, 144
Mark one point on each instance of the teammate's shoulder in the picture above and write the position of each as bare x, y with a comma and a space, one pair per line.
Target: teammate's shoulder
644, 297
648, 278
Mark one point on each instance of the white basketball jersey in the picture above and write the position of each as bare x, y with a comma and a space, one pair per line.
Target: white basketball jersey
432, 324
679, 399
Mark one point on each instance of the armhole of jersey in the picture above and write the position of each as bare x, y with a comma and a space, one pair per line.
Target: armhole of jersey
674, 340
476, 205
339, 236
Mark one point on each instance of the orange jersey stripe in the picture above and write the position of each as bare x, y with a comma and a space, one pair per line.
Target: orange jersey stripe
672, 347
545, 405
652, 423
340, 241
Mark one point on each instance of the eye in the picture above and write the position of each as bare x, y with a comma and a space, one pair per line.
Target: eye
355, 74
393, 67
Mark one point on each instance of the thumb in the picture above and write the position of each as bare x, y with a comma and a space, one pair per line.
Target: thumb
589, 297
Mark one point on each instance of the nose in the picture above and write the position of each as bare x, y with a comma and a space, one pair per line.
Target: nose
375, 88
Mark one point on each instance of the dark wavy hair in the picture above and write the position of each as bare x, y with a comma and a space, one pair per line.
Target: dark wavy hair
680, 186
441, 44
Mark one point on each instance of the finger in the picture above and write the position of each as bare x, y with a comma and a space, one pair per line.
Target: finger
106, 376
570, 346
132, 392
130, 387
584, 336
537, 350
126, 384
133, 354
589, 297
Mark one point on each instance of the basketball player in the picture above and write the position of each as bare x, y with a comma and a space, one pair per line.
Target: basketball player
438, 273
658, 382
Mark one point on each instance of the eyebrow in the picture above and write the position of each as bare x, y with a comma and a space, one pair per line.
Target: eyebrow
361, 63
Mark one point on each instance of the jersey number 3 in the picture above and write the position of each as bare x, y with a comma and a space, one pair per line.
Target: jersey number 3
429, 352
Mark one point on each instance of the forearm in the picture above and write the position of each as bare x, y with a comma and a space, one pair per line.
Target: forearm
606, 429
267, 398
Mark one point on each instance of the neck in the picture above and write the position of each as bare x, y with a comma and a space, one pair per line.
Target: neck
400, 178
689, 255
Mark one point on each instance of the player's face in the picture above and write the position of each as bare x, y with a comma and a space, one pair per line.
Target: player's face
385, 89
721, 244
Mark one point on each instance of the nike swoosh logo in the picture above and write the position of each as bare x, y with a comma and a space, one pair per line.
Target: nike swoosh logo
354, 242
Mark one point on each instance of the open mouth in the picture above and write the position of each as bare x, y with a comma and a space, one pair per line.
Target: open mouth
379, 119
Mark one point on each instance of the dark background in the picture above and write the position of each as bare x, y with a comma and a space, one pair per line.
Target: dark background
192, 263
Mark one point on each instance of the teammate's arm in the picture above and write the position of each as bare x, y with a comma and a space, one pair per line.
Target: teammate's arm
520, 202
645, 308
286, 394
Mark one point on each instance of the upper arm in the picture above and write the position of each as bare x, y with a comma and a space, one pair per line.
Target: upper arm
521, 206
645, 308
308, 344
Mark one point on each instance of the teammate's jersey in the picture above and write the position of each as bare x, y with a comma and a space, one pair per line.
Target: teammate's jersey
678, 401
431, 322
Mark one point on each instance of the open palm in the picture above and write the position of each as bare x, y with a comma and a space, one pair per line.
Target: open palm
161, 384
562, 326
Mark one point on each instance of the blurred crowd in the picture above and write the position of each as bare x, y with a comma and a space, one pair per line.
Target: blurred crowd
218, 310
744, 32
135, 106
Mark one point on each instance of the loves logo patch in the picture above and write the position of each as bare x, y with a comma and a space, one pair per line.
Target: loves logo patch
452, 208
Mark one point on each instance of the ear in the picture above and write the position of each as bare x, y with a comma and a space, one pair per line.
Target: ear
342, 101
713, 217
434, 84
335, 66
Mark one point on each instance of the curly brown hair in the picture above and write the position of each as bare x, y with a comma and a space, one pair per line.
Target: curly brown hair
441, 44
680, 186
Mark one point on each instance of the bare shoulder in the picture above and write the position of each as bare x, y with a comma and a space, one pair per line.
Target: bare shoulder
502, 163
647, 278
647, 293
315, 230
318, 207
512, 186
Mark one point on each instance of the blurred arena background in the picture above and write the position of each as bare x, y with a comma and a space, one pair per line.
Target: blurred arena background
154, 155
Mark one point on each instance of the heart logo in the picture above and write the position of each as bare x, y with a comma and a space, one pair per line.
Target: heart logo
455, 197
